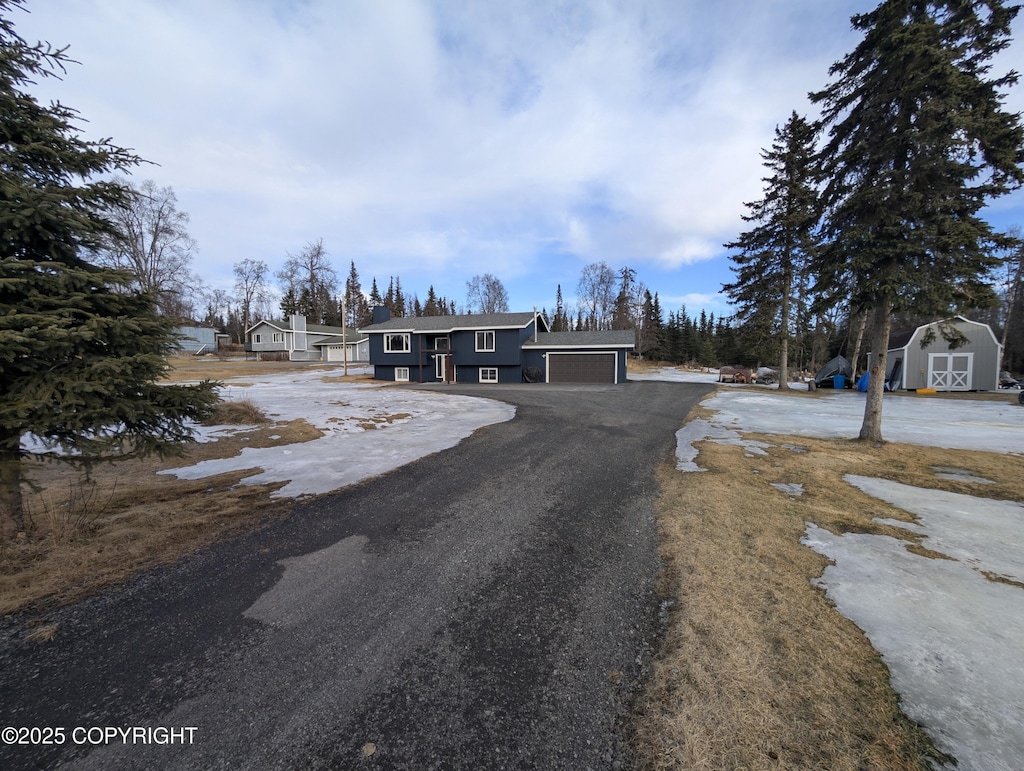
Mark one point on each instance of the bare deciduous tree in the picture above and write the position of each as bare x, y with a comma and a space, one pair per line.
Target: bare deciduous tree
486, 294
251, 289
596, 295
151, 241
309, 285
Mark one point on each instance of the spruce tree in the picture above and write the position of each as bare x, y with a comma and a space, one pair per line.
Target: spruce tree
561, 320
430, 307
357, 310
375, 299
80, 349
918, 142
776, 251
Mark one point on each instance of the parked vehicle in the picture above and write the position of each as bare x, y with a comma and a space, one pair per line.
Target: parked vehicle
1006, 380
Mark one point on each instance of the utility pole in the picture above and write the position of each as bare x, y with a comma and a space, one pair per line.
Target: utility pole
344, 336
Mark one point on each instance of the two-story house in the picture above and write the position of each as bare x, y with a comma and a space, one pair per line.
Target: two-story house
296, 340
492, 348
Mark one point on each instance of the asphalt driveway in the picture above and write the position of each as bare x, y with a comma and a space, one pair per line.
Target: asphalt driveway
490, 606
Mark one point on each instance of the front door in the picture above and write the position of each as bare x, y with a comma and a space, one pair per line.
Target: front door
950, 371
444, 368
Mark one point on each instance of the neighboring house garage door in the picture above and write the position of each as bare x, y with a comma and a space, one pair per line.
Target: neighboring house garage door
581, 367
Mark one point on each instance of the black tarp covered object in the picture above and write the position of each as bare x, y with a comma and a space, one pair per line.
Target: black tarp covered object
837, 366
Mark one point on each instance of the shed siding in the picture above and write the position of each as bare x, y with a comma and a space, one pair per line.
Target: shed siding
982, 343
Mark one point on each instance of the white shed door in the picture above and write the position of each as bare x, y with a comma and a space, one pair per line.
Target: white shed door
950, 371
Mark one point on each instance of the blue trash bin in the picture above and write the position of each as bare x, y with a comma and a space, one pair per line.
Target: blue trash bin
839, 381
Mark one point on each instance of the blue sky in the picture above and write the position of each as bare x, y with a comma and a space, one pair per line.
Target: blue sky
440, 140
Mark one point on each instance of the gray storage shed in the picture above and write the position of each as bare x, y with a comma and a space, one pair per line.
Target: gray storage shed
923, 358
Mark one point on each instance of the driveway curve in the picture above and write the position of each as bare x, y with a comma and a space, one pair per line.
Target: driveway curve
489, 606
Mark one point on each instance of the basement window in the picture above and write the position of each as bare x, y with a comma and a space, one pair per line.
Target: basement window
488, 374
401, 374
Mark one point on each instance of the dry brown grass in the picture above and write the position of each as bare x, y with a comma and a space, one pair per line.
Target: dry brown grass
84, 534
757, 669
237, 412
192, 369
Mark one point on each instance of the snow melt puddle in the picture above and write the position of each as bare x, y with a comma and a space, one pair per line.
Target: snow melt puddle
951, 637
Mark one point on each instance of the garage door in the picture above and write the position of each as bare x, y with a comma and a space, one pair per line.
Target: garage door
581, 367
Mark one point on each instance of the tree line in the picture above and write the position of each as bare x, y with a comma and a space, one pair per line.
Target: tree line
776, 286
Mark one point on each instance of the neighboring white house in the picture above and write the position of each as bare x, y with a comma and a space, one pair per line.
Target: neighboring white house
300, 341
923, 358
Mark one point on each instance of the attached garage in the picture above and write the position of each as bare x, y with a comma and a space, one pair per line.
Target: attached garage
580, 357
358, 350
598, 367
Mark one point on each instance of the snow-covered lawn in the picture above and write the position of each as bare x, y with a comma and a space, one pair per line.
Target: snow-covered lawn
407, 425
953, 639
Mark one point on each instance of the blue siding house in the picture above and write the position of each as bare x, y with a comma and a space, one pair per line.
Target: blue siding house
492, 348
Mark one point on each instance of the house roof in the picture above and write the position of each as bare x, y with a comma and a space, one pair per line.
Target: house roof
453, 323
353, 335
610, 338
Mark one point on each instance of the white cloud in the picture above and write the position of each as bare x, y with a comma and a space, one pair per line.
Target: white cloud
442, 135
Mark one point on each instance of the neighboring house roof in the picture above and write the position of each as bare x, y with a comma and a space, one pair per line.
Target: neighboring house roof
612, 338
353, 335
453, 323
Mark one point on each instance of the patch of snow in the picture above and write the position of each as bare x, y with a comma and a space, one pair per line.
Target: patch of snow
409, 425
986, 534
700, 430
964, 425
951, 637
793, 489
675, 375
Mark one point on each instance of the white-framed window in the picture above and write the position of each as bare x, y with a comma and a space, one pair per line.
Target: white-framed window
442, 343
488, 374
401, 374
396, 343
485, 342
279, 337
257, 338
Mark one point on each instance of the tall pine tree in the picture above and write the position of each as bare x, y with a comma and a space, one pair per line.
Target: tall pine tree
81, 350
918, 141
778, 249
